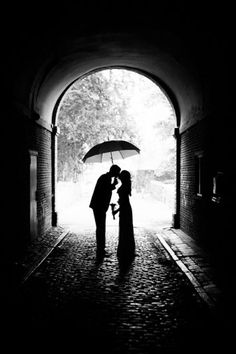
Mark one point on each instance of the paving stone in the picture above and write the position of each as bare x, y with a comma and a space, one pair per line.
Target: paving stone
142, 307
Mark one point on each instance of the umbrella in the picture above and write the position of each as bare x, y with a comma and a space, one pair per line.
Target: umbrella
110, 150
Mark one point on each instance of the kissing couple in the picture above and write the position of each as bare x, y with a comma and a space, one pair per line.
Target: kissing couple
100, 202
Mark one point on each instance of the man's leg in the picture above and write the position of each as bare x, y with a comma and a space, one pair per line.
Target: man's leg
100, 220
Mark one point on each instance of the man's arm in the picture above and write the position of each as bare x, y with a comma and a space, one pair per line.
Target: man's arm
114, 183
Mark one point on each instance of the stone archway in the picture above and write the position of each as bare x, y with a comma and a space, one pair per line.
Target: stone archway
161, 207
152, 58
188, 51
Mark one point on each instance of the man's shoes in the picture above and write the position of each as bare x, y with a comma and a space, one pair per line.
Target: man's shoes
103, 253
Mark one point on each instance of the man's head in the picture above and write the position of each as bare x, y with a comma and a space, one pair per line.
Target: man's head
115, 170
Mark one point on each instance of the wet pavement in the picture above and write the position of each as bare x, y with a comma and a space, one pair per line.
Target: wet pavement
72, 299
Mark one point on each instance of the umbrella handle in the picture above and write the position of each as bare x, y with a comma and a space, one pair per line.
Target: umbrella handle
111, 158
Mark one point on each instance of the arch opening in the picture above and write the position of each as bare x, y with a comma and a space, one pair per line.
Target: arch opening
116, 103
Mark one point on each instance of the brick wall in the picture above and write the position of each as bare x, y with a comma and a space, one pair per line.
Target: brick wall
193, 208
23, 135
41, 142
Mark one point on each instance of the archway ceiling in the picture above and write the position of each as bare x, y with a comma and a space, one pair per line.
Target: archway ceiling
156, 54
168, 41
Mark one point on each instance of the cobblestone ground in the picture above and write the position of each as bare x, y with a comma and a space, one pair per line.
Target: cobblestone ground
92, 305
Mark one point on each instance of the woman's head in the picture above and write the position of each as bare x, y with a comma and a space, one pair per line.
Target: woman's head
125, 178
125, 175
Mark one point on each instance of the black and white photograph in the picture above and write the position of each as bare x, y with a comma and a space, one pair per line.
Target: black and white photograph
119, 179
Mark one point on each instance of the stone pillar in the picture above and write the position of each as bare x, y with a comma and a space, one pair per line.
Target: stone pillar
55, 133
176, 216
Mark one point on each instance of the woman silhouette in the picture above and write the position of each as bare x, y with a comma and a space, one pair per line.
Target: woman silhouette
126, 244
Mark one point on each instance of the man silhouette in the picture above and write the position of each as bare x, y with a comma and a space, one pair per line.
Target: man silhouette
100, 203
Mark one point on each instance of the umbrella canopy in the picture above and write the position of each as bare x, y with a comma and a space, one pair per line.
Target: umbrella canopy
110, 150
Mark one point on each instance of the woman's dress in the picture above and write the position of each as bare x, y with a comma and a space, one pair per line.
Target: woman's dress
126, 244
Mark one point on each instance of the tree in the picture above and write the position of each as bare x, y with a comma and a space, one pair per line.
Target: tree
115, 104
93, 110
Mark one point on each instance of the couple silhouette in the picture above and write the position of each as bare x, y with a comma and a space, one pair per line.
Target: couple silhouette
100, 202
